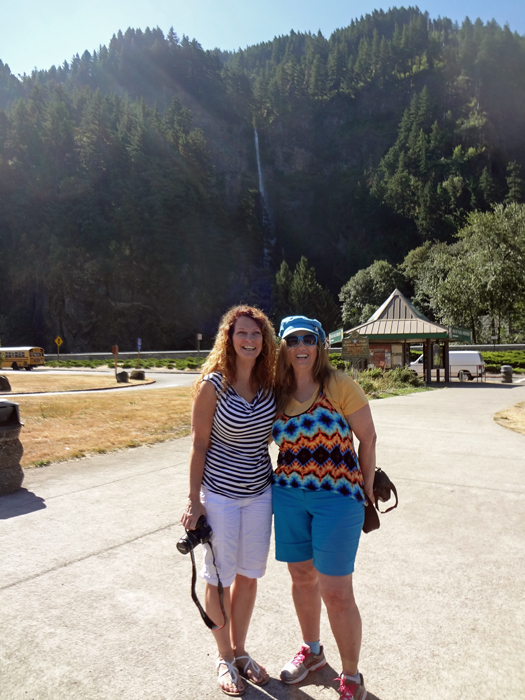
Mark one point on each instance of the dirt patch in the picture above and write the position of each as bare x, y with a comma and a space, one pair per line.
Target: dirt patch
58, 428
512, 418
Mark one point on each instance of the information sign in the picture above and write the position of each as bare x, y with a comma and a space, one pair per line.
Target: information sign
462, 334
139, 343
336, 336
58, 341
437, 357
355, 347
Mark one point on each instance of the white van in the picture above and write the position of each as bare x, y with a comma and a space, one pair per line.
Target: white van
470, 362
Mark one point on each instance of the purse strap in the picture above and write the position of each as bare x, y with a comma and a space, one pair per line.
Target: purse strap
391, 485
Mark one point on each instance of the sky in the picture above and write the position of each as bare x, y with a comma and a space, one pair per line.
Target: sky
39, 34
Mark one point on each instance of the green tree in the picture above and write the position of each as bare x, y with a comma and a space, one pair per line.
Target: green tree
299, 293
495, 252
368, 288
483, 274
282, 291
514, 183
446, 289
487, 187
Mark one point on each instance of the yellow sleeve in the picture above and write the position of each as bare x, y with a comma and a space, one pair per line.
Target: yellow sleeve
344, 394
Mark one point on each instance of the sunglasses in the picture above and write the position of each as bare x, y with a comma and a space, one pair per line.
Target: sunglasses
293, 340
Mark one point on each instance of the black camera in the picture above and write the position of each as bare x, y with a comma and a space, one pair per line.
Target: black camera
192, 538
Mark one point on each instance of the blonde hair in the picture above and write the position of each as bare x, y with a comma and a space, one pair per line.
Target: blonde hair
222, 357
285, 382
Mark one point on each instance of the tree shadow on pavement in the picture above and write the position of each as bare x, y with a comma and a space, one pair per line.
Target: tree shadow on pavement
21, 502
323, 679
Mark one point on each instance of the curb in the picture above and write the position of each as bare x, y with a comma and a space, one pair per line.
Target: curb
79, 391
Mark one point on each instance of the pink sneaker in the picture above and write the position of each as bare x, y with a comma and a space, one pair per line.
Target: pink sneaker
302, 663
351, 691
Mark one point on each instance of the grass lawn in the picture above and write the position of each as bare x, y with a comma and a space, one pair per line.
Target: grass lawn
58, 428
30, 382
512, 418
68, 426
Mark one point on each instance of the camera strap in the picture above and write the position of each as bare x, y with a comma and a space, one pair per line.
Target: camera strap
207, 620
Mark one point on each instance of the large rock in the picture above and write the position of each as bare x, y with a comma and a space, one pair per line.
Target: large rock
4, 383
123, 377
11, 479
138, 374
11, 449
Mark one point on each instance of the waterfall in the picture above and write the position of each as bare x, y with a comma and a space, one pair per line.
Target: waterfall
269, 239
259, 170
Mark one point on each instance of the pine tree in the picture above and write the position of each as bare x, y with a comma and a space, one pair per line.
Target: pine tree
487, 187
301, 294
514, 183
282, 290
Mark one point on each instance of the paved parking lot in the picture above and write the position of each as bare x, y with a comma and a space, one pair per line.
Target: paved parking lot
95, 599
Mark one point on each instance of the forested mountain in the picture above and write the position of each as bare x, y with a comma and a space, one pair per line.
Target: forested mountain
129, 190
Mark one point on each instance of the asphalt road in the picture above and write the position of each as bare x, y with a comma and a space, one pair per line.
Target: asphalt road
163, 380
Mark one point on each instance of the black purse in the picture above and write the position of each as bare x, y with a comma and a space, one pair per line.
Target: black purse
383, 489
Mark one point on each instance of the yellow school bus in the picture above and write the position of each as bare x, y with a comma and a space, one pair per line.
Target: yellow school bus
22, 357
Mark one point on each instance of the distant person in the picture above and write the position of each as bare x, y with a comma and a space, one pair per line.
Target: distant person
230, 480
319, 495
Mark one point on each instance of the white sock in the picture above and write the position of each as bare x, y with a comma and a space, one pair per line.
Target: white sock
315, 647
353, 679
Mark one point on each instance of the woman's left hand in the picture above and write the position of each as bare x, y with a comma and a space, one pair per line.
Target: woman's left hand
363, 428
369, 490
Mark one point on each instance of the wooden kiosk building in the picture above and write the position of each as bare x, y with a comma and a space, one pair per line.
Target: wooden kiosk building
397, 325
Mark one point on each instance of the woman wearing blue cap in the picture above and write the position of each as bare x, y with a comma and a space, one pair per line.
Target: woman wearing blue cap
319, 495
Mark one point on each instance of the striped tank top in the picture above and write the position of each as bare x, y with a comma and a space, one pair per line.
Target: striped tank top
238, 462
316, 451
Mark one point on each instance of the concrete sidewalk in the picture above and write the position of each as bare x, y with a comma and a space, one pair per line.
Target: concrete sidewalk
95, 599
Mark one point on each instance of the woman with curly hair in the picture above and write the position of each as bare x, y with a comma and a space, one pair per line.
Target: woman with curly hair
230, 480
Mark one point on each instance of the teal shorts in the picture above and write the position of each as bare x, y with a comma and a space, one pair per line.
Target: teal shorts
320, 525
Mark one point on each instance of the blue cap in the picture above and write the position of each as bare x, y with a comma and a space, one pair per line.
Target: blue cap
292, 324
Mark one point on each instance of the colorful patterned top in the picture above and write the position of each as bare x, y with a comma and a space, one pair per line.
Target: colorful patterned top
316, 451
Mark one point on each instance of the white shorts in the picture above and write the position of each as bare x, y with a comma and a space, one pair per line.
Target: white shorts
241, 536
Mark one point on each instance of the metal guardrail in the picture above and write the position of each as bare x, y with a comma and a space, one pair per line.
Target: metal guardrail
175, 354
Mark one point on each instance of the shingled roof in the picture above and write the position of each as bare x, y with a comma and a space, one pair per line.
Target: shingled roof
397, 319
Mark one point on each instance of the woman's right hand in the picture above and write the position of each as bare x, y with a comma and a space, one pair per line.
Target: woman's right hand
192, 512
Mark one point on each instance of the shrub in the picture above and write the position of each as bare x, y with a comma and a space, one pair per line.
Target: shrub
367, 384
515, 358
403, 375
373, 372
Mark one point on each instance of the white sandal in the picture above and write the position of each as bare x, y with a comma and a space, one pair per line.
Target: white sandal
254, 666
231, 671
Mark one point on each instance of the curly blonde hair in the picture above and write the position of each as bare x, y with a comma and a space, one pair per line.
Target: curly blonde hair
222, 357
285, 382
